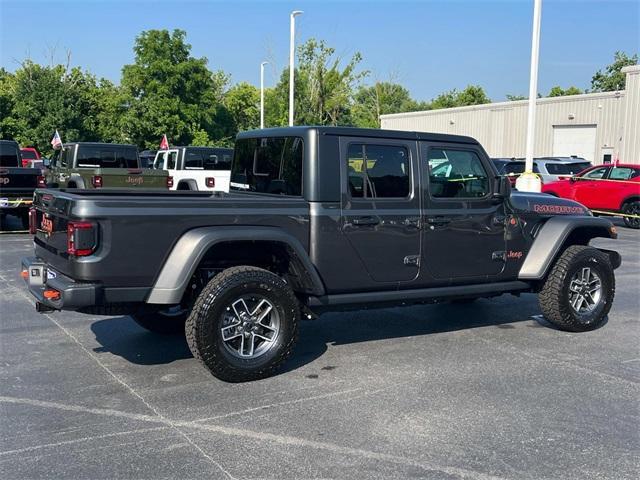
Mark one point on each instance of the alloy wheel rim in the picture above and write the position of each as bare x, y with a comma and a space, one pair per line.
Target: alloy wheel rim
585, 291
250, 326
634, 210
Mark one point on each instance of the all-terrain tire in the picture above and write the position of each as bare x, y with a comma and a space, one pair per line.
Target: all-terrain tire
160, 322
554, 298
203, 326
632, 208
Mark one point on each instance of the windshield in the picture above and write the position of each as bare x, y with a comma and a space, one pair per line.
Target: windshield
107, 157
268, 165
9, 155
566, 168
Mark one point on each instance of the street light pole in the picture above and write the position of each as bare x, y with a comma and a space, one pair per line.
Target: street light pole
529, 181
292, 51
262, 93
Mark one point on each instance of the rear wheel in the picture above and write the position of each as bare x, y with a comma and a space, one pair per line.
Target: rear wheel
244, 324
632, 208
579, 291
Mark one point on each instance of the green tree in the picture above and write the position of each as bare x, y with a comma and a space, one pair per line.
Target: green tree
612, 78
515, 98
242, 102
46, 98
379, 99
169, 91
558, 91
324, 88
472, 95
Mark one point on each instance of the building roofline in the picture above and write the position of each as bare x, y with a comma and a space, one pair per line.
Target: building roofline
506, 105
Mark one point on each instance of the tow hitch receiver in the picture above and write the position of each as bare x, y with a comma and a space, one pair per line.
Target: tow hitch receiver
42, 308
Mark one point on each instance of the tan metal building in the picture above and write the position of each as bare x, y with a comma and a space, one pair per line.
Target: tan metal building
595, 126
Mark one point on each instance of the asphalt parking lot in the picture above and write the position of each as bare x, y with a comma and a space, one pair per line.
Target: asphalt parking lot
478, 391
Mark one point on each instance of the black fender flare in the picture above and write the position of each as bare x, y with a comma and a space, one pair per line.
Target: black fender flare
190, 182
191, 247
551, 238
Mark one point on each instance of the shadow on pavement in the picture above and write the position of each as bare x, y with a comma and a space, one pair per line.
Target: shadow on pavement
123, 337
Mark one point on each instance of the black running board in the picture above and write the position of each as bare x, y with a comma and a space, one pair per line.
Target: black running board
369, 299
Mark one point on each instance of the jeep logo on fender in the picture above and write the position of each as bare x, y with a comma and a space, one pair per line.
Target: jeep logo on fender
135, 180
4, 180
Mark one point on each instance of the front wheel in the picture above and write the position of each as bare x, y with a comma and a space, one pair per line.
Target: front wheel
633, 209
579, 291
244, 324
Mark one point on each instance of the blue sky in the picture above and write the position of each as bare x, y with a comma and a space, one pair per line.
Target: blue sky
428, 46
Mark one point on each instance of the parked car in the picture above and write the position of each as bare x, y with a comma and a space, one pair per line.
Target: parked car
17, 183
549, 169
317, 219
29, 156
196, 168
608, 188
88, 165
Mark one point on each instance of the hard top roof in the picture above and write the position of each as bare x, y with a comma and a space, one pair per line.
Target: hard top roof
356, 132
99, 144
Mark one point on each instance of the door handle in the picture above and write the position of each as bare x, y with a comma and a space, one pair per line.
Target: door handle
363, 221
413, 222
438, 220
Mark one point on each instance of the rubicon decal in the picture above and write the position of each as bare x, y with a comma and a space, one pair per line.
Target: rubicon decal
558, 209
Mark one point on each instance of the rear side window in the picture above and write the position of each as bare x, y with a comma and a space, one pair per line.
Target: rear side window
378, 171
566, 168
517, 168
207, 160
101, 157
9, 155
456, 174
624, 173
268, 165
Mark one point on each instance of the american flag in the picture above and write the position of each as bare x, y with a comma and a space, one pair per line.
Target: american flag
56, 141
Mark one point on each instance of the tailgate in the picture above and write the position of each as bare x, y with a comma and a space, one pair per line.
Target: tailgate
51, 228
18, 180
133, 178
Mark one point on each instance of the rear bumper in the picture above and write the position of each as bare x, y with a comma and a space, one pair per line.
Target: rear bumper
73, 295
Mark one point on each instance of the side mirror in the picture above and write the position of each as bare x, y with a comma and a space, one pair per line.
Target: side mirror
502, 188
572, 178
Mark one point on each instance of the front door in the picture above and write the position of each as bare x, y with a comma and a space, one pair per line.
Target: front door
586, 188
381, 207
464, 225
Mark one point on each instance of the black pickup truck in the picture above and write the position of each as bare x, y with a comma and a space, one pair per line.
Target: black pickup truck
17, 184
317, 219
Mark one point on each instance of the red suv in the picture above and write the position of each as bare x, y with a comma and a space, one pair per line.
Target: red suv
610, 188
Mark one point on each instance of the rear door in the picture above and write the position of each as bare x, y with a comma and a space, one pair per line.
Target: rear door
463, 236
380, 208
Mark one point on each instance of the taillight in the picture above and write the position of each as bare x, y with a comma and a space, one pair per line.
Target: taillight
210, 182
169, 182
33, 224
96, 181
42, 183
81, 238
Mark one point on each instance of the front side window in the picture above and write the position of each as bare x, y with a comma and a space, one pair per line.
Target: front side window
268, 165
378, 171
456, 174
596, 174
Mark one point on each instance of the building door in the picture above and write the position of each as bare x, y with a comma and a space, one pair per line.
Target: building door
606, 155
575, 140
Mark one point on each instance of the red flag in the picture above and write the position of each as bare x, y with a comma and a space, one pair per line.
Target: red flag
164, 143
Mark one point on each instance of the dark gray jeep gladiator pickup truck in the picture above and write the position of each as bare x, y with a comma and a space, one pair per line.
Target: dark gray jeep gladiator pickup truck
317, 219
